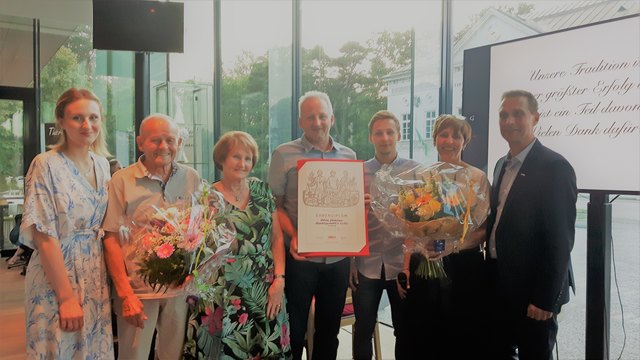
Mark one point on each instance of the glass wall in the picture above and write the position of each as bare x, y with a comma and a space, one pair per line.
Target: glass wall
185, 92
361, 57
109, 74
113, 83
11, 145
479, 23
256, 73
16, 51
11, 167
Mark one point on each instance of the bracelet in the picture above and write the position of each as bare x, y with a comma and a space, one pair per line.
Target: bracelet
456, 250
279, 276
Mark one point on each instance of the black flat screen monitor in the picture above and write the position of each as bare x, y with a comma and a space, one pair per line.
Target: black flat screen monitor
138, 26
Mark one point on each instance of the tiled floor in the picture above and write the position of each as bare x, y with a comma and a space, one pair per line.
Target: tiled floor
387, 342
12, 337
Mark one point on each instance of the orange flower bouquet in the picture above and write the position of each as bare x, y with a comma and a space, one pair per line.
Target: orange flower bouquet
433, 205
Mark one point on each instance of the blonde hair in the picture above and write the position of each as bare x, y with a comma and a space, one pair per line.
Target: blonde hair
454, 123
230, 140
99, 146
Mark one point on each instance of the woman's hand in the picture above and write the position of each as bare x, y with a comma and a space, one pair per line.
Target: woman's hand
536, 313
275, 296
71, 315
432, 254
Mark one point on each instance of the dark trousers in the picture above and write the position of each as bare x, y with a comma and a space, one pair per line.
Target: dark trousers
328, 284
366, 300
533, 339
446, 317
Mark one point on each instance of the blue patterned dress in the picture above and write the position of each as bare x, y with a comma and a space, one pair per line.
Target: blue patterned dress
61, 203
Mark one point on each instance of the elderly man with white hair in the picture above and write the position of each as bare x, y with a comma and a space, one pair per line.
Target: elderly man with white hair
156, 179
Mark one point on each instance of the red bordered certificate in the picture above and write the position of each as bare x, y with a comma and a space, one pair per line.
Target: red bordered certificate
331, 212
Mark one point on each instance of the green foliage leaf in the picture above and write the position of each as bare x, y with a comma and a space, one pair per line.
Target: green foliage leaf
256, 297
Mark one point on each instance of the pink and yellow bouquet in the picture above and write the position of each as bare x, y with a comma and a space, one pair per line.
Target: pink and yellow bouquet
176, 242
167, 243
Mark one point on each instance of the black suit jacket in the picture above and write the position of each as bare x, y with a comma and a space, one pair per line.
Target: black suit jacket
536, 231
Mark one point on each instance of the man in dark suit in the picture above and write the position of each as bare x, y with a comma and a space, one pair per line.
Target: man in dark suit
531, 234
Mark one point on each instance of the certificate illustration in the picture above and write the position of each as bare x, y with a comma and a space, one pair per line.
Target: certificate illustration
331, 212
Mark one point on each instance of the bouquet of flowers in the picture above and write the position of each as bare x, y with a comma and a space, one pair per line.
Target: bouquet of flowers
218, 243
430, 206
176, 242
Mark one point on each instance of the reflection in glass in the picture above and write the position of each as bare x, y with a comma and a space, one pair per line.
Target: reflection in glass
16, 59
11, 167
256, 79
363, 62
479, 23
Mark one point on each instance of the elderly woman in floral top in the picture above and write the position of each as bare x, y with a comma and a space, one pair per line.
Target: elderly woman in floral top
248, 318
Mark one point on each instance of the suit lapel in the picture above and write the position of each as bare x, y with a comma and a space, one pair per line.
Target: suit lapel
528, 165
495, 188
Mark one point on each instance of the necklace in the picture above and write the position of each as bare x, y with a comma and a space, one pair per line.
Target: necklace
84, 172
81, 164
235, 194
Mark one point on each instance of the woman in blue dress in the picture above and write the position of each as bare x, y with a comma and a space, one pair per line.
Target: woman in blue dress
67, 308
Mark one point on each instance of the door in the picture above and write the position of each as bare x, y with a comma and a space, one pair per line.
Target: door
19, 144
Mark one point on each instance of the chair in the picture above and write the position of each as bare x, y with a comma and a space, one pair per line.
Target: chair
348, 318
26, 251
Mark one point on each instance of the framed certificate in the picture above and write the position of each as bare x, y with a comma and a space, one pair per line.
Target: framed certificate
331, 211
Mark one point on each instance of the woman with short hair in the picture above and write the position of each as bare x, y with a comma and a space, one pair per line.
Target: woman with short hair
250, 321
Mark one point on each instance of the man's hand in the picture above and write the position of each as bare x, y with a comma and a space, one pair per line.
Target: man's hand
367, 203
133, 311
401, 291
293, 249
536, 313
353, 276
71, 315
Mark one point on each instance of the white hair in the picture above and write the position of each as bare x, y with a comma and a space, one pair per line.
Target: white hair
159, 116
317, 95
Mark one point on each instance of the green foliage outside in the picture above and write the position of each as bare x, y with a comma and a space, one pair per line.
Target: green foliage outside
353, 80
10, 147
